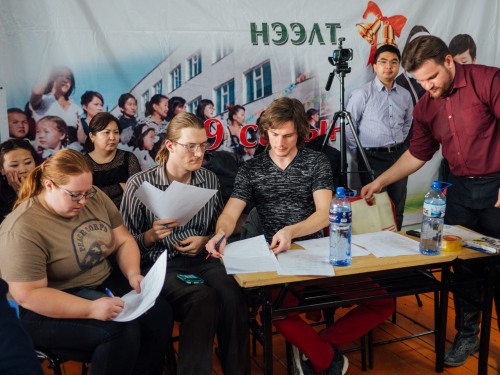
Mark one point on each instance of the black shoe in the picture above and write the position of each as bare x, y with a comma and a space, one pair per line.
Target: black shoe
339, 364
301, 365
461, 349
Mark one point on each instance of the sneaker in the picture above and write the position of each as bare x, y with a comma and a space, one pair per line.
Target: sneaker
339, 364
461, 349
301, 365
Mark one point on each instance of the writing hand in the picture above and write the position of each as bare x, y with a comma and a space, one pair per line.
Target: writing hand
106, 308
215, 246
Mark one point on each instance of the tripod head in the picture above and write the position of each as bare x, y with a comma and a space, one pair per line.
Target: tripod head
339, 60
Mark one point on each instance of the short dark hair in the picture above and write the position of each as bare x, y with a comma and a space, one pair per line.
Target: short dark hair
155, 99
461, 43
200, 109
123, 99
98, 123
15, 144
423, 48
234, 109
311, 112
16, 110
386, 48
283, 110
87, 97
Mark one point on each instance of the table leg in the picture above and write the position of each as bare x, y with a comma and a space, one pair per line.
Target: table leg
442, 319
484, 343
266, 320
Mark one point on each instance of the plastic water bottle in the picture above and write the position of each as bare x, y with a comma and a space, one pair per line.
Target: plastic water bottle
431, 234
340, 229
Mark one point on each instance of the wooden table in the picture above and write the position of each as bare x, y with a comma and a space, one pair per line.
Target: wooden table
266, 285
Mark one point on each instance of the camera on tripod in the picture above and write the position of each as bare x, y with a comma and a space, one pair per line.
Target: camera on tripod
340, 58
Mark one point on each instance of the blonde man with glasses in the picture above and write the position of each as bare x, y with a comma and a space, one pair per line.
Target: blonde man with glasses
215, 306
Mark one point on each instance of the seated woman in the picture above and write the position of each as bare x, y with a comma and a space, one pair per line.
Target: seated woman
142, 144
112, 167
54, 248
17, 159
218, 305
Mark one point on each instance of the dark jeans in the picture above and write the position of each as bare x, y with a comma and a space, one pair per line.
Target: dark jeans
217, 306
135, 347
17, 354
470, 203
380, 162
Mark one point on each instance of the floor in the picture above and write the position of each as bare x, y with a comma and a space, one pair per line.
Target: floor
415, 356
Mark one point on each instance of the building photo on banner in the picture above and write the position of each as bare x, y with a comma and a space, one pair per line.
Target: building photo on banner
63, 62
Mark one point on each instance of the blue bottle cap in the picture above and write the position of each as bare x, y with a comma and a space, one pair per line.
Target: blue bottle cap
436, 185
340, 192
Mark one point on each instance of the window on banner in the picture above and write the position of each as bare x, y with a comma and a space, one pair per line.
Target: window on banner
144, 100
194, 65
192, 105
221, 51
224, 95
175, 78
259, 82
158, 87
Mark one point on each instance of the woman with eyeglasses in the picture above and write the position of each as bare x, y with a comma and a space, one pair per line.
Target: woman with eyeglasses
54, 250
112, 167
215, 306
17, 159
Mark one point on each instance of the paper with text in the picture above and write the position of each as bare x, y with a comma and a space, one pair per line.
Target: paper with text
386, 243
179, 201
311, 261
250, 255
151, 285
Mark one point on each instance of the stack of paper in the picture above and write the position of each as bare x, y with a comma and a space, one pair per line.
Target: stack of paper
250, 255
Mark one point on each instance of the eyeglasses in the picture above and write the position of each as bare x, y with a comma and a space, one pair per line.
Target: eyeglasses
193, 148
78, 197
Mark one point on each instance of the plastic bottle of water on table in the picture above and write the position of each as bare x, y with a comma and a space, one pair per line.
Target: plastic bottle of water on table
431, 234
340, 229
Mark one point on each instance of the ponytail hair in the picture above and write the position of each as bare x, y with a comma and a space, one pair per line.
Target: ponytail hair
58, 168
155, 99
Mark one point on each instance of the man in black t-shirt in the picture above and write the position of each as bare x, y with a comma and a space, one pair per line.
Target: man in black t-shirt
291, 188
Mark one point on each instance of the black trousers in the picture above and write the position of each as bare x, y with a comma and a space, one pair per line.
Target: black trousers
470, 203
380, 162
135, 347
216, 307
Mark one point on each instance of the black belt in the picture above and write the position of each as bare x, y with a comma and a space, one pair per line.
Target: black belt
392, 148
494, 175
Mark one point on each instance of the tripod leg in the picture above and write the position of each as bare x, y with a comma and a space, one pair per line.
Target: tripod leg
360, 146
329, 131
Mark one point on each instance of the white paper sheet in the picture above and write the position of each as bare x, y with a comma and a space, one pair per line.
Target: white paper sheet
179, 201
151, 285
250, 255
311, 261
386, 243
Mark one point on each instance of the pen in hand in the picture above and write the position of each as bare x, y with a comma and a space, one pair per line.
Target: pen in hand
217, 244
109, 293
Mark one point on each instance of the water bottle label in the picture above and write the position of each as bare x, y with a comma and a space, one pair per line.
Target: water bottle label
342, 217
434, 210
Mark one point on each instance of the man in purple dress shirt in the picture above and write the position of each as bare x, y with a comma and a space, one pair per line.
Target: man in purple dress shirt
460, 111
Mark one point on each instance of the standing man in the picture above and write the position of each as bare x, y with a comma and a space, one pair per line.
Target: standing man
382, 112
460, 111
291, 187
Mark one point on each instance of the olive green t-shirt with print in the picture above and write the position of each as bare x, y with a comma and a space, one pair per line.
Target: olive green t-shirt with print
70, 252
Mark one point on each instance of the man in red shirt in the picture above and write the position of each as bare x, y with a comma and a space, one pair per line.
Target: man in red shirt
460, 111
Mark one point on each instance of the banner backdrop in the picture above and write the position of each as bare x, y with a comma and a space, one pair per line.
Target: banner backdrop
245, 52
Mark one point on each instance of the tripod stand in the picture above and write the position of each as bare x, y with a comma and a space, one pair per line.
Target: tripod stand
344, 115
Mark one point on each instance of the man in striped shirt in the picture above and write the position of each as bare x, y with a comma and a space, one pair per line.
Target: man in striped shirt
217, 305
